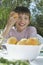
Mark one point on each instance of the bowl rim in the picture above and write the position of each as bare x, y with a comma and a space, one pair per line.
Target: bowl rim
23, 45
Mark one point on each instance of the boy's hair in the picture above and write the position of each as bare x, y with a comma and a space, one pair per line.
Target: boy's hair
22, 9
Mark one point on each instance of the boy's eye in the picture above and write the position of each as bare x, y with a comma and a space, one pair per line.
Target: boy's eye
25, 18
20, 18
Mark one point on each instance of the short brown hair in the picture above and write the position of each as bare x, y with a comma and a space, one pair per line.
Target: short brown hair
22, 9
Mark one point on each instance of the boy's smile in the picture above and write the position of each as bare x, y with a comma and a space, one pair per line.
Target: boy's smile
21, 23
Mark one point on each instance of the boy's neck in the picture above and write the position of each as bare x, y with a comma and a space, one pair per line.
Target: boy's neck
20, 30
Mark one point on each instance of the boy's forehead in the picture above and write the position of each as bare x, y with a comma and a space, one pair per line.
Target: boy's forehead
26, 14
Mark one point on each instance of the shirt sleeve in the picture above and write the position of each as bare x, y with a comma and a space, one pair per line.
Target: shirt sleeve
9, 34
32, 32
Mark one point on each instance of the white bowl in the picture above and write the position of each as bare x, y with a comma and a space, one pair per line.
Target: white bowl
23, 52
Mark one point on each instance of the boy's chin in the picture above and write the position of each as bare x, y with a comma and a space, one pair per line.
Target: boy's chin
21, 29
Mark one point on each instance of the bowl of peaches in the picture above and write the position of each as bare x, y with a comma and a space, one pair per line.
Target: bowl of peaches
25, 49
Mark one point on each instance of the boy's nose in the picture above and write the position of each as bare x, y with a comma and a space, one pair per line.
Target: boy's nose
22, 20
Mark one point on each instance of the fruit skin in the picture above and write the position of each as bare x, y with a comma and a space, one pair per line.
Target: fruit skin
22, 42
16, 15
12, 40
29, 41
32, 41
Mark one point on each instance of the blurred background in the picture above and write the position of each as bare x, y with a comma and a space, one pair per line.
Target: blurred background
35, 6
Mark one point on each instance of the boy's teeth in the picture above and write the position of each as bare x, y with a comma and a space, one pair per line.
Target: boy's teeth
22, 24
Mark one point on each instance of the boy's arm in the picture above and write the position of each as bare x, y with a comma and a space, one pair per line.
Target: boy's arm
9, 25
32, 32
6, 31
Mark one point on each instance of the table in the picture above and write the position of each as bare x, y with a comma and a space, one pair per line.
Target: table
37, 61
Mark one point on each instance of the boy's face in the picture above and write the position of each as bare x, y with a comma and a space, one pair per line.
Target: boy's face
23, 21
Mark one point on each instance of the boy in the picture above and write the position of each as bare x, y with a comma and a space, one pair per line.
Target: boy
21, 28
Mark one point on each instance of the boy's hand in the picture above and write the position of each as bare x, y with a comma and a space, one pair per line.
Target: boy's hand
12, 19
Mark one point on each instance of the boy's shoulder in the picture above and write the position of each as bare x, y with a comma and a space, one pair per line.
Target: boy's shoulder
31, 29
